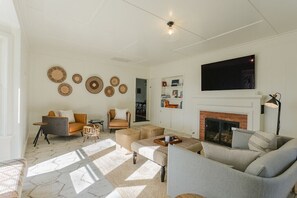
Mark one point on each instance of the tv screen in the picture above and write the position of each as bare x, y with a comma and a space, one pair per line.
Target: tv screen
238, 73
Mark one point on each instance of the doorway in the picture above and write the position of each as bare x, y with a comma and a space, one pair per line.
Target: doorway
141, 100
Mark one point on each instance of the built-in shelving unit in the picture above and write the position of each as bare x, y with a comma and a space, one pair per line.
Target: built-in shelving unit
172, 92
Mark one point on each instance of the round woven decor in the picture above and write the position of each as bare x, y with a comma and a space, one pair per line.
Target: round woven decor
109, 91
114, 81
123, 88
65, 89
77, 78
56, 74
94, 84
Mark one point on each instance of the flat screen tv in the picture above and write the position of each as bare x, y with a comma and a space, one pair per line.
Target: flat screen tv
237, 73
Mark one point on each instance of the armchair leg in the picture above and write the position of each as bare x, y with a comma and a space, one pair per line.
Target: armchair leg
81, 133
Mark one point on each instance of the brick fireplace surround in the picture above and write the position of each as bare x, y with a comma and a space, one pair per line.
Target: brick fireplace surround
241, 118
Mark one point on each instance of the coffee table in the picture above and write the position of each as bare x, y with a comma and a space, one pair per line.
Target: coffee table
158, 153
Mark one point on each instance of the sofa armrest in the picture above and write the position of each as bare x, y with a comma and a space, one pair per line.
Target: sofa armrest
56, 125
128, 118
81, 118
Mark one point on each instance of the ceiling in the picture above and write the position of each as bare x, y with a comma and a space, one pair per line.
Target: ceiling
135, 31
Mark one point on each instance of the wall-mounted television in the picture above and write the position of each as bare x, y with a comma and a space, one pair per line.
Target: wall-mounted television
237, 73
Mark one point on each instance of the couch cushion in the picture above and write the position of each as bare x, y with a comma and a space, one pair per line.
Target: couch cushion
68, 114
120, 114
273, 163
75, 126
262, 141
237, 158
240, 138
118, 123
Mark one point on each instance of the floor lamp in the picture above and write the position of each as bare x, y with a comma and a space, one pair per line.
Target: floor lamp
275, 103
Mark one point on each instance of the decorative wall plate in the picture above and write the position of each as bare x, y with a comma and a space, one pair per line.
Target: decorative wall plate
56, 74
77, 78
114, 81
109, 91
65, 89
123, 88
94, 85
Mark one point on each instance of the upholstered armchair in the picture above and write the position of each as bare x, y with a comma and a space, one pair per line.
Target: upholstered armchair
115, 123
61, 125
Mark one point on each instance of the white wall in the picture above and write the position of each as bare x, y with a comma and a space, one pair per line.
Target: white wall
276, 71
13, 92
44, 95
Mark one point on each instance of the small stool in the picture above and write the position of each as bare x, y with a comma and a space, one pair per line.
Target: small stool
40, 131
149, 131
91, 131
125, 137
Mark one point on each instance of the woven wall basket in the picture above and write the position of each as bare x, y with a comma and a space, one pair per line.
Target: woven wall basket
56, 74
123, 88
94, 84
65, 89
109, 91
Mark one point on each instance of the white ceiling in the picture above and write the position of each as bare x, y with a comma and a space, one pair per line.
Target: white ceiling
135, 31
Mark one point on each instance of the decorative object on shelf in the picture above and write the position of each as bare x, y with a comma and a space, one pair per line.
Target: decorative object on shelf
123, 88
174, 93
275, 103
56, 74
174, 83
94, 84
114, 81
65, 89
77, 78
109, 91
170, 28
164, 84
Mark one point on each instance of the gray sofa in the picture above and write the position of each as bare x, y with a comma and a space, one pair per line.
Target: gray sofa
190, 172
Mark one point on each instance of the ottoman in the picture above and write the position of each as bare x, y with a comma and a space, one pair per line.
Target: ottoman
125, 137
149, 131
158, 153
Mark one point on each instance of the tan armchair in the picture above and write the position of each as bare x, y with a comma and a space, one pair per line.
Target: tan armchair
117, 123
61, 126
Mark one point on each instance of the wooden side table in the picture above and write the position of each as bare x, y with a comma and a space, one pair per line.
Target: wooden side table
189, 195
91, 130
40, 131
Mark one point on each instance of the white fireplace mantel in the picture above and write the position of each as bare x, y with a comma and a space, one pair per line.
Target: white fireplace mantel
249, 105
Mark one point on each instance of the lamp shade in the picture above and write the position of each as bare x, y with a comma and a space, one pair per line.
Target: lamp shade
272, 103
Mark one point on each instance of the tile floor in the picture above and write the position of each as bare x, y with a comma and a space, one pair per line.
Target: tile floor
67, 167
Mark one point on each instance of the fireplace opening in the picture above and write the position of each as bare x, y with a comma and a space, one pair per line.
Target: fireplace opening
219, 131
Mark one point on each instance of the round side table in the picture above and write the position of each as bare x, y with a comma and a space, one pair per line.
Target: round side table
189, 195
40, 131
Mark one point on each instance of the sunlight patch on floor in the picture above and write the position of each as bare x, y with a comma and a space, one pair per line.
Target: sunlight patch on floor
129, 192
148, 151
147, 171
110, 161
55, 163
83, 178
98, 146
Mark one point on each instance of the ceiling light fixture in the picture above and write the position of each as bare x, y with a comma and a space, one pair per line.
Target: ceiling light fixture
170, 28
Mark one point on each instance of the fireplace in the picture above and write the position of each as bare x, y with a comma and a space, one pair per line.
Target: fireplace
216, 126
219, 131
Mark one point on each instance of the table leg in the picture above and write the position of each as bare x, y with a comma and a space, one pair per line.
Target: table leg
134, 157
162, 173
45, 137
37, 136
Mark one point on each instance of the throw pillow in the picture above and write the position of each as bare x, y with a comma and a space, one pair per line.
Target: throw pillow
272, 163
68, 114
262, 142
120, 114
237, 158
240, 138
